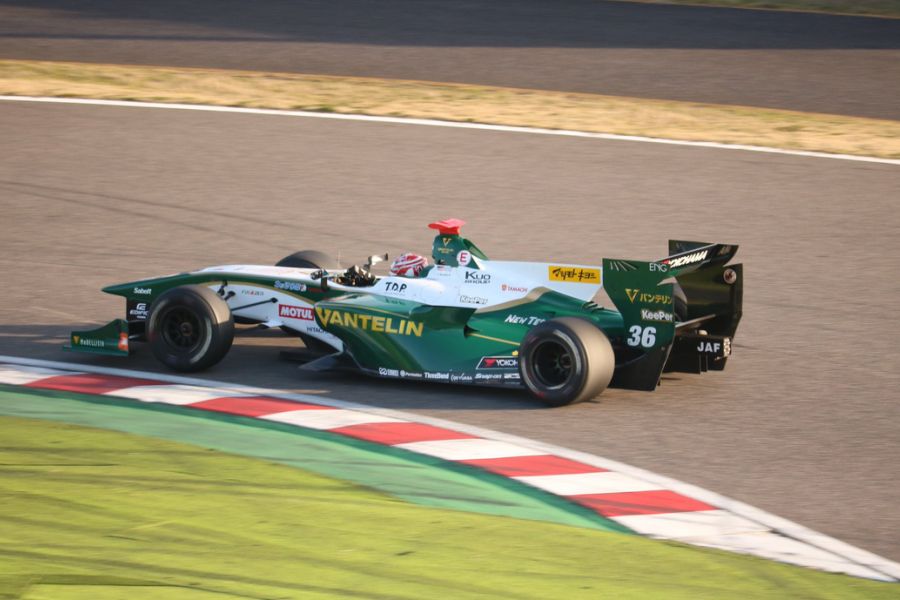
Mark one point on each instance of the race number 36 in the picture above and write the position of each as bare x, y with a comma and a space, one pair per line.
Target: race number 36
641, 336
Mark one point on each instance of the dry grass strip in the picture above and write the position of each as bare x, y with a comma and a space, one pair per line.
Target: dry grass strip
454, 102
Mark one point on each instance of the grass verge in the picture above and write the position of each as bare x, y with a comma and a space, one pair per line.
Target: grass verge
94, 514
453, 102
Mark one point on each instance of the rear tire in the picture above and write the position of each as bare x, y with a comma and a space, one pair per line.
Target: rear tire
190, 328
566, 360
309, 259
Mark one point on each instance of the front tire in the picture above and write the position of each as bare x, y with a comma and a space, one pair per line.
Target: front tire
190, 328
566, 360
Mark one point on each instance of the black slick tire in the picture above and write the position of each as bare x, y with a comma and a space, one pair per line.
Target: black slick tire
308, 259
566, 360
190, 328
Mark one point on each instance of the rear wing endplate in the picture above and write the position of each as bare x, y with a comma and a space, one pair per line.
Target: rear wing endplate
692, 292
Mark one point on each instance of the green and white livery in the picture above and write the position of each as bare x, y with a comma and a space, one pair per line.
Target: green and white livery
465, 319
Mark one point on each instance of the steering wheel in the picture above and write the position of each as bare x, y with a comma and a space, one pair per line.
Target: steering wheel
356, 276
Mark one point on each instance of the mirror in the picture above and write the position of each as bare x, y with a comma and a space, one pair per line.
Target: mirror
374, 260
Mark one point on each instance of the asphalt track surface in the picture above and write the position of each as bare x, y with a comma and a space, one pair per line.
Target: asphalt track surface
810, 62
803, 423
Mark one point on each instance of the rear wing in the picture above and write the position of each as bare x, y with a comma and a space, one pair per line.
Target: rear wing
713, 289
679, 313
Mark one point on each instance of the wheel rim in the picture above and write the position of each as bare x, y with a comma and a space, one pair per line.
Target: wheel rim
181, 329
552, 364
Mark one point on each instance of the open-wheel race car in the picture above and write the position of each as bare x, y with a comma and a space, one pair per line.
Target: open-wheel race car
465, 319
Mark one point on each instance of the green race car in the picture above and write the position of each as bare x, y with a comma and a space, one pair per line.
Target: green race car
465, 319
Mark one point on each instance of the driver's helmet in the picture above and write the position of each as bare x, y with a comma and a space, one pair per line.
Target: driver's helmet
408, 265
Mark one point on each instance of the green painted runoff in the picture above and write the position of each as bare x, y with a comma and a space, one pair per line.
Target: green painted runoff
413, 477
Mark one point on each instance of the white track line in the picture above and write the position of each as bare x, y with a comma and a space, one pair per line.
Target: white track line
741, 514
451, 124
